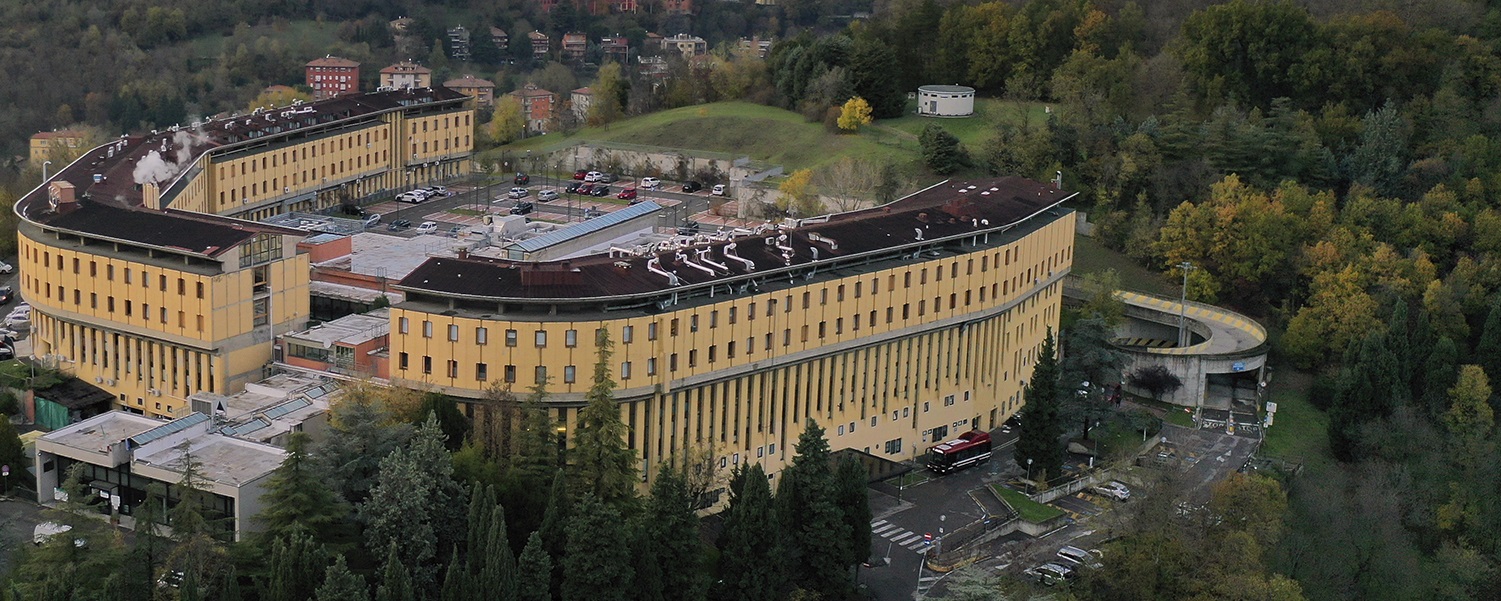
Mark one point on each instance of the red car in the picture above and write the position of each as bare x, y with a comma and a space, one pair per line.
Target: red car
579, 175
627, 194
586, 189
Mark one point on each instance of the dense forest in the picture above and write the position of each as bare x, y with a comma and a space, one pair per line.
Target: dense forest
1332, 167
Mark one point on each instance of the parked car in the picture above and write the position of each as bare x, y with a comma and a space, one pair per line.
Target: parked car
6, 352
607, 177
600, 191
688, 228
518, 193
592, 176
593, 212
649, 183
718, 190
573, 187
627, 194
691, 187
1079, 557
521, 179
7, 267
580, 174
398, 225
7, 294
427, 227
546, 195
585, 188
455, 231
414, 197
1113, 490
372, 219
522, 208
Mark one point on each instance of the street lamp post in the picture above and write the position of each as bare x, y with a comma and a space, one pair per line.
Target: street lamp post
1183, 305
44, 169
1030, 486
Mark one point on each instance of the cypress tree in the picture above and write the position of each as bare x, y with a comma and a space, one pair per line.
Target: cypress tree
1042, 422
668, 532
1488, 349
534, 580
820, 538
1440, 373
597, 561
298, 565
395, 580
554, 530
852, 495
1399, 344
751, 551
339, 584
1422, 347
456, 583
604, 465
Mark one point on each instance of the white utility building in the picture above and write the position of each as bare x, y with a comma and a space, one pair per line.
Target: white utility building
946, 101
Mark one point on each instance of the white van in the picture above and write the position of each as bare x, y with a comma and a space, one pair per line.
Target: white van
1080, 557
427, 227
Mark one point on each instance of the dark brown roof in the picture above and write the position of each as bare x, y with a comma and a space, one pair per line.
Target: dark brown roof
110, 206
332, 61
949, 209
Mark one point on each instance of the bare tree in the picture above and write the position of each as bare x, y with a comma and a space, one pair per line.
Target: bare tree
848, 183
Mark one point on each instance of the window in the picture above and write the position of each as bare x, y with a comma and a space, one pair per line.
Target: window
627, 334
453, 368
924, 406
427, 329
651, 331
200, 290
164, 314
651, 366
732, 315
571, 337
427, 364
823, 329
712, 352
540, 374
109, 272
510, 337
128, 312
569, 372
510, 373
93, 300
401, 362
401, 325
839, 295
750, 312
809, 295
182, 287
672, 362
625, 370
893, 446
111, 303
453, 332
541, 338
672, 327
482, 335
729, 350
693, 358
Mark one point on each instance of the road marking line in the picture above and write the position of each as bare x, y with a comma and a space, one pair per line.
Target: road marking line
897, 534
883, 529
905, 541
875, 524
919, 547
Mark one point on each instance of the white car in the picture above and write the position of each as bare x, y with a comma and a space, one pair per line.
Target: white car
593, 176
1113, 490
6, 267
427, 227
414, 197
548, 194
717, 190
649, 183
518, 193
1079, 557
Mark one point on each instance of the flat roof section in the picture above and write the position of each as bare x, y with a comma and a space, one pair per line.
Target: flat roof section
588, 227
222, 459
350, 329
97, 434
393, 257
161, 229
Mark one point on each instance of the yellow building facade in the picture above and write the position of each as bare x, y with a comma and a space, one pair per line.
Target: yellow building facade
151, 279
892, 347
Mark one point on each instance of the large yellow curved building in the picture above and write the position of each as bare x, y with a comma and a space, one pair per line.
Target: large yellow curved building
894, 327
149, 277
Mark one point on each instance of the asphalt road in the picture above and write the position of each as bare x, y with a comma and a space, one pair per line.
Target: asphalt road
17, 519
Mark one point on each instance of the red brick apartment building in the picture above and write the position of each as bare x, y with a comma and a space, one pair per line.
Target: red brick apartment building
331, 76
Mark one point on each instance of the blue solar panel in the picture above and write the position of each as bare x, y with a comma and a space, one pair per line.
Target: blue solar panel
287, 407
247, 427
172, 427
588, 227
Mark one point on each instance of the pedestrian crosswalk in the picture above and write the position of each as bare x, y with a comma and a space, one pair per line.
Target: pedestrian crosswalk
899, 536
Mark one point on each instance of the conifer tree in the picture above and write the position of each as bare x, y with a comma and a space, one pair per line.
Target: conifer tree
1488, 349
339, 584
1440, 373
669, 555
395, 580
1042, 423
536, 455
597, 562
534, 580
554, 530
299, 498
298, 566
1399, 344
603, 464
852, 497
457, 583
750, 546
819, 538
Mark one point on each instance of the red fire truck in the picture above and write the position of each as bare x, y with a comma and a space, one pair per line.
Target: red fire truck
969, 449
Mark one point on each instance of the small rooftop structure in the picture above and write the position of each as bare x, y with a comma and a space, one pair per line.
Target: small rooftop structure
268, 410
946, 101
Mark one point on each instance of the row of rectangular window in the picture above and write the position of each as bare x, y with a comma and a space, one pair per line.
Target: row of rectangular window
62, 296
109, 273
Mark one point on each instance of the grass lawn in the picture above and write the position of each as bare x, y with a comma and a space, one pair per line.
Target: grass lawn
974, 131
736, 129
1090, 256
1299, 432
1030, 510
